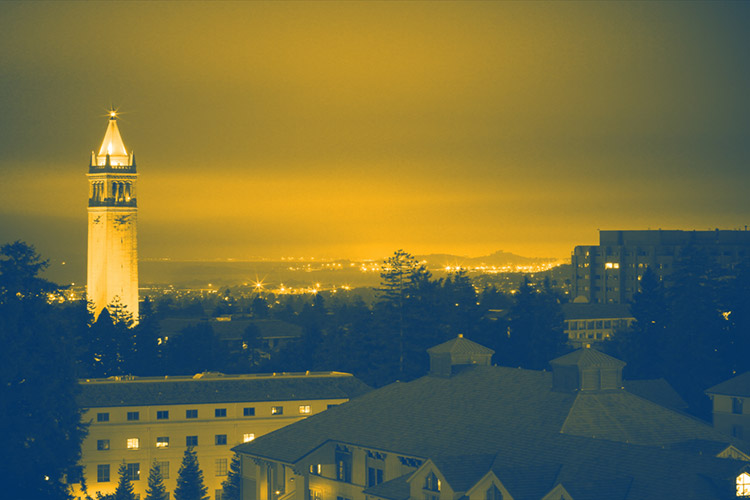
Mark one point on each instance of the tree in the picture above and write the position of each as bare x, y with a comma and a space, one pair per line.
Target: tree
124, 490
231, 486
190, 479
40, 422
155, 489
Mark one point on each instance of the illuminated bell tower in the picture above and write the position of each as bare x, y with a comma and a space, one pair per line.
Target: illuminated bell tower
113, 248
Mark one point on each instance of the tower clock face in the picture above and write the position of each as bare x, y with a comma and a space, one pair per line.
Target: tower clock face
122, 220
97, 219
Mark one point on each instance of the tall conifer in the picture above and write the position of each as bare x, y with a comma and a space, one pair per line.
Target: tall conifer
190, 479
155, 490
124, 489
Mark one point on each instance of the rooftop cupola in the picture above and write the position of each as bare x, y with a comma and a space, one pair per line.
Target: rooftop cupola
112, 153
446, 357
586, 370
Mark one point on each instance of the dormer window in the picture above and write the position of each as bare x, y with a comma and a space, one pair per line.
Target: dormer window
743, 485
493, 493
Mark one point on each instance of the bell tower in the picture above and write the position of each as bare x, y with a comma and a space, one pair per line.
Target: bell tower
112, 267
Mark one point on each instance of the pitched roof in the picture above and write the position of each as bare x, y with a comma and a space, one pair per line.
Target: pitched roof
476, 412
586, 358
395, 489
112, 144
657, 391
735, 386
460, 345
219, 389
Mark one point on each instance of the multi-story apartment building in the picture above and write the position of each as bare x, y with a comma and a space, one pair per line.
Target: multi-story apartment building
587, 325
141, 420
476, 431
609, 272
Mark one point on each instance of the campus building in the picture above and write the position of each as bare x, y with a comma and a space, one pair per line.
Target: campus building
139, 420
587, 325
609, 272
480, 432
731, 406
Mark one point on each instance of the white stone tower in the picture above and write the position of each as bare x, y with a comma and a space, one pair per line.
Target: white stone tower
113, 246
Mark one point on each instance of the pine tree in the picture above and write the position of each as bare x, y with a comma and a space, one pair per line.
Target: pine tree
124, 489
231, 486
155, 490
190, 479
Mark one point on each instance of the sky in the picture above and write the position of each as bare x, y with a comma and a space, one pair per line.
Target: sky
347, 129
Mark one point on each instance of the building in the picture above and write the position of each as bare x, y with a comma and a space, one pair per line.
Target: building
731, 414
112, 269
587, 325
472, 430
609, 272
137, 420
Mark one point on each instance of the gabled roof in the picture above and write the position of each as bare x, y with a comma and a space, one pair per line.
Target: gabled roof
395, 489
219, 389
460, 345
587, 358
462, 471
736, 386
657, 391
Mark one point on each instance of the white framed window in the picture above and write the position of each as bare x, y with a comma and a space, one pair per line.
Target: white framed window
133, 443
162, 442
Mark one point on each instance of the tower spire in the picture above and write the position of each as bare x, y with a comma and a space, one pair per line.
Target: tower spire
112, 144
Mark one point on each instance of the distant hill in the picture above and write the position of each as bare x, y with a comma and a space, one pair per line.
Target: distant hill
499, 258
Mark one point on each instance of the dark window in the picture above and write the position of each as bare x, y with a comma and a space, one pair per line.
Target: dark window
133, 415
162, 415
374, 476
737, 431
737, 406
163, 469
162, 442
133, 471
191, 441
331, 406
191, 413
343, 466
102, 417
220, 412
102, 473
431, 482
220, 439
248, 412
102, 444
493, 493
221, 466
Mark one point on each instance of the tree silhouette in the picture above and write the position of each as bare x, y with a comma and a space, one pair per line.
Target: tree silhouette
231, 485
190, 479
124, 490
155, 489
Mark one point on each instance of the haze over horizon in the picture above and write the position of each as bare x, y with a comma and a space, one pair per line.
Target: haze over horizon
349, 130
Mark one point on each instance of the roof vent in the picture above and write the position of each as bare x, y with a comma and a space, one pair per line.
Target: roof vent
586, 370
446, 357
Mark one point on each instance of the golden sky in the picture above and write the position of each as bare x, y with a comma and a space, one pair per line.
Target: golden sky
347, 129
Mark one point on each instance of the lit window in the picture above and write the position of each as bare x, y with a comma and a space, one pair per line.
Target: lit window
133, 471
191, 413
162, 415
277, 410
316, 469
248, 412
431, 482
163, 469
162, 442
102, 444
102, 417
191, 440
102, 474
133, 415
246, 438
220, 412
743, 485
304, 409
133, 443
221, 466
220, 439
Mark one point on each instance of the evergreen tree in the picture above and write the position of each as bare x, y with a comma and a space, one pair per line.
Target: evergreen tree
231, 486
40, 422
155, 489
190, 479
147, 354
124, 490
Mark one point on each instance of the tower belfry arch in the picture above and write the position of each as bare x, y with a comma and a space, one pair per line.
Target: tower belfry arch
112, 267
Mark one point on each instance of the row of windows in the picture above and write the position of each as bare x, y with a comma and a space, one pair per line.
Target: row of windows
218, 413
133, 470
163, 441
596, 324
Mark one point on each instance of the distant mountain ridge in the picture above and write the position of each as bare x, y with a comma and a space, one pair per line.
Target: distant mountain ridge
499, 258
